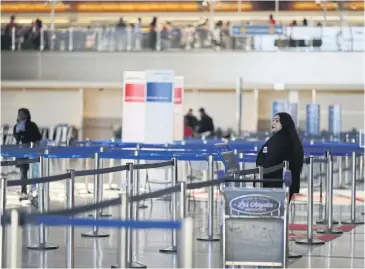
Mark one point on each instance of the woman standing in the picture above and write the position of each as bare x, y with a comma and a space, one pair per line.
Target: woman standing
283, 145
25, 132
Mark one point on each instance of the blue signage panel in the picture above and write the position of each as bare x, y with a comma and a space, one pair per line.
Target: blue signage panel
161, 92
286, 106
334, 119
278, 106
313, 119
241, 30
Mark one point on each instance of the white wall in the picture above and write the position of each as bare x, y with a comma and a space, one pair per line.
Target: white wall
47, 107
102, 109
103, 103
208, 70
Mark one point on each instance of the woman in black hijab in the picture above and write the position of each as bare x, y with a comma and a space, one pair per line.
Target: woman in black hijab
283, 145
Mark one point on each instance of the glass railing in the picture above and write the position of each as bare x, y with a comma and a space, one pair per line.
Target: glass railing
112, 39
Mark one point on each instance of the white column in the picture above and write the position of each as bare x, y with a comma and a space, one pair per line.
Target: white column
178, 108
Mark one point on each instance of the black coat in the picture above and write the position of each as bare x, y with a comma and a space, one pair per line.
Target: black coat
31, 133
280, 148
206, 124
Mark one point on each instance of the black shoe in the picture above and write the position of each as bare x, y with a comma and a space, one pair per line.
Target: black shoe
23, 196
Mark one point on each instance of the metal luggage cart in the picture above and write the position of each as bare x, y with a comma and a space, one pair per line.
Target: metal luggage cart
254, 227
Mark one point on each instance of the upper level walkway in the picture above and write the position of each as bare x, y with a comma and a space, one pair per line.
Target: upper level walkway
170, 38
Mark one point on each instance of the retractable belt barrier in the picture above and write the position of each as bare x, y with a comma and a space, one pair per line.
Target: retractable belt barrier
44, 218
128, 217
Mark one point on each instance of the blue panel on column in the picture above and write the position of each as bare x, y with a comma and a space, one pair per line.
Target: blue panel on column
159, 92
313, 119
334, 119
278, 106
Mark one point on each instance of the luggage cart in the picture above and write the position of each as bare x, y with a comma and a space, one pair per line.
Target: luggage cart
254, 227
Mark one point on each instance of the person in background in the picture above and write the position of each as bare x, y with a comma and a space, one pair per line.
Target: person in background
294, 23
153, 34
25, 132
305, 22
188, 131
205, 125
283, 145
191, 120
9, 27
272, 20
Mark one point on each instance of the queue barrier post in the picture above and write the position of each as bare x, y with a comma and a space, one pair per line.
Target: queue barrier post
290, 254
329, 204
328, 192
138, 177
70, 230
341, 184
43, 196
124, 236
310, 240
122, 233
183, 207
3, 247
95, 233
133, 211
241, 167
210, 236
100, 180
353, 219
16, 240
110, 178
186, 244
174, 178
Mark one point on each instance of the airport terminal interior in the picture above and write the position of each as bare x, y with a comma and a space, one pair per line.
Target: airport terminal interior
182, 134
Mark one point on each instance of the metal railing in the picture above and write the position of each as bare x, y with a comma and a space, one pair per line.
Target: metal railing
114, 39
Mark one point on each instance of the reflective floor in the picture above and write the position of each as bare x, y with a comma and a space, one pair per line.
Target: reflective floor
347, 250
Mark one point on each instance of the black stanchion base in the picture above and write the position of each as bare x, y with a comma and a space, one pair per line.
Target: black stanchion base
307, 241
138, 265
40, 246
143, 206
330, 231
363, 213
335, 222
293, 255
172, 249
208, 238
354, 222
93, 234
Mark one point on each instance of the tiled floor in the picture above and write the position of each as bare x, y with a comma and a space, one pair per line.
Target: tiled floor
345, 251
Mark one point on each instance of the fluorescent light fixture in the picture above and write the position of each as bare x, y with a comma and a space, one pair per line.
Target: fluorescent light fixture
279, 86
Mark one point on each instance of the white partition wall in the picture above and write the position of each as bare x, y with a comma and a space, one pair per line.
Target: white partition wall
134, 107
159, 113
178, 108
